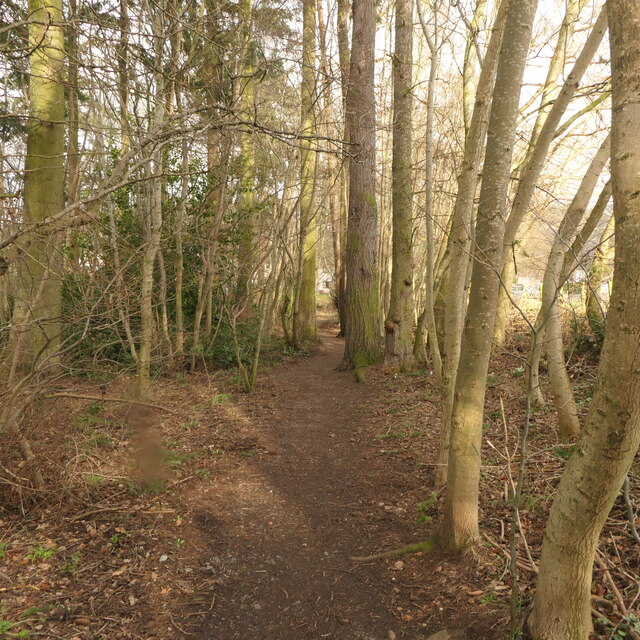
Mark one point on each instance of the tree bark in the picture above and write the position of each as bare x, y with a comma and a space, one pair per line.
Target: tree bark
362, 346
599, 273
35, 330
548, 320
304, 315
602, 457
460, 237
399, 322
460, 523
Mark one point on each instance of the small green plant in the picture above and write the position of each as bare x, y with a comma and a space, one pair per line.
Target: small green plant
115, 540
95, 479
94, 409
72, 564
152, 487
202, 472
3, 549
179, 543
220, 398
392, 435
487, 598
175, 458
95, 440
424, 506
7, 625
40, 553
629, 627
563, 452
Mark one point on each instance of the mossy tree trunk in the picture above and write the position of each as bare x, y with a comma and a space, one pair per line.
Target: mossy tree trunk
459, 526
362, 346
399, 322
36, 326
602, 457
304, 316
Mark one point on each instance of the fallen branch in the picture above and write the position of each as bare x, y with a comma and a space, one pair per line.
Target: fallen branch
630, 510
81, 396
426, 545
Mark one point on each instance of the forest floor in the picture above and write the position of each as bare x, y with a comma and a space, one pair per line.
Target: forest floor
222, 515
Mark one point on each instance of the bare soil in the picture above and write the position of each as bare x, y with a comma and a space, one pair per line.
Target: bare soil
235, 516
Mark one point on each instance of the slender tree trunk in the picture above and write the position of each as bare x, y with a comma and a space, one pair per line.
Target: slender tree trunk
572, 255
179, 266
246, 198
549, 315
217, 170
610, 440
334, 172
122, 54
152, 218
344, 55
362, 346
460, 523
549, 91
304, 317
471, 67
430, 318
460, 237
538, 155
599, 273
399, 322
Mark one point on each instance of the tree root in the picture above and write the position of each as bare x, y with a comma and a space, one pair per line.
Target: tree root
417, 547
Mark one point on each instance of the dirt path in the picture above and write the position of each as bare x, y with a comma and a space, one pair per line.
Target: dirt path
264, 499
283, 545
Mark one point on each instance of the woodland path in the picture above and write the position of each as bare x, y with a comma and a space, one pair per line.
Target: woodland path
284, 542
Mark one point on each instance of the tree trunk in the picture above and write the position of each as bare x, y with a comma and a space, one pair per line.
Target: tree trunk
304, 317
549, 314
246, 198
35, 330
608, 444
152, 218
538, 155
362, 346
460, 524
599, 273
471, 66
334, 171
549, 90
460, 237
399, 322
